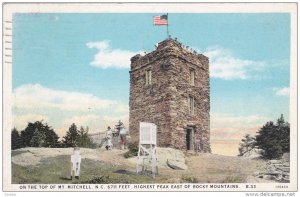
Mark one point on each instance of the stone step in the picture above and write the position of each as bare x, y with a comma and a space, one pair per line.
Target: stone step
286, 179
190, 151
277, 165
274, 162
286, 164
284, 169
190, 154
286, 174
273, 173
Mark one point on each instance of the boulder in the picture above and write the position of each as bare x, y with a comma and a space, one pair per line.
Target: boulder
253, 153
275, 173
171, 158
268, 177
286, 164
285, 169
176, 165
274, 161
168, 158
286, 157
271, 168
26, 159
286, 179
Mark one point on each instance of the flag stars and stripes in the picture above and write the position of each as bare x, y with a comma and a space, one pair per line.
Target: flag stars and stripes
160, 20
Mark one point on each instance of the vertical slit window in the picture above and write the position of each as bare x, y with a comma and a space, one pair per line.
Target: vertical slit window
148, 77
191, 105
192, 77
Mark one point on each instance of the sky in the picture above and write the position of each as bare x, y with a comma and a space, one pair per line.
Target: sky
75, 68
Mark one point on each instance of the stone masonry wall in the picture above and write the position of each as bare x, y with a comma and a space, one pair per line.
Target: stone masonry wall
165, 101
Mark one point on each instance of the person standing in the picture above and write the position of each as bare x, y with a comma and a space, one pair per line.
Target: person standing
108, 138
123, 134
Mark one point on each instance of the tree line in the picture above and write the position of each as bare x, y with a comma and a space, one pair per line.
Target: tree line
40, 134
273, 139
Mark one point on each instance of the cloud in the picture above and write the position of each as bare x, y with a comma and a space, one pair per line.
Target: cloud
110, 58
21, 121
231, 133
224, 65
102, 45
285, 91
114, 119
226, 121
227, 131
83, 120
36, 96
225, 127
221, 147
96, 123
32, 102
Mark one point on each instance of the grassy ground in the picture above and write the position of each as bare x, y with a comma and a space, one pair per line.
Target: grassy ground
101, 166
57, 170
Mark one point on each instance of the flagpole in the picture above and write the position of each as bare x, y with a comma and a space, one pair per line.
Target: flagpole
167, 26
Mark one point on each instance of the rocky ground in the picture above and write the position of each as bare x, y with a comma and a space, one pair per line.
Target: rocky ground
275, 170
52, 165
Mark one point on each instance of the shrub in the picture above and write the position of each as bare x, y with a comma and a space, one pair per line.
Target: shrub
189, 179
101, 179
273, 152
233, 179
133, 150
273, 139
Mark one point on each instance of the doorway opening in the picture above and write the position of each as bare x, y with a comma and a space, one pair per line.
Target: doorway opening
189, 137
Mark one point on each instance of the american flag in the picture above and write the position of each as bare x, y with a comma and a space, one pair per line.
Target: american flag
160, 20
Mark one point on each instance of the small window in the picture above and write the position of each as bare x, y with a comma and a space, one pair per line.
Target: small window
192, 77
191, 105
148, 77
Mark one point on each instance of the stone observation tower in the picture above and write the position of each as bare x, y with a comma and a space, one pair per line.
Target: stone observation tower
170, 88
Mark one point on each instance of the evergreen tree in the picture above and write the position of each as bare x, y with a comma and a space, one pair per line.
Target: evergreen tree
283, 134
39, 134
16, 141
27, 134
274, 139
83, 139
72, 134
246, 145
38, 139
51, 139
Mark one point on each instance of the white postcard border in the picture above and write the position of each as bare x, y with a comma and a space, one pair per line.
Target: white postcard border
10, 8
